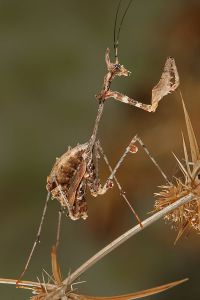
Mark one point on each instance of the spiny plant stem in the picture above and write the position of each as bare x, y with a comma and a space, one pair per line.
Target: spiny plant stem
124, 237
56, 295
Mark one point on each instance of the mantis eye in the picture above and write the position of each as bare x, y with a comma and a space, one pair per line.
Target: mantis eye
196, 174
198, 177
117, 66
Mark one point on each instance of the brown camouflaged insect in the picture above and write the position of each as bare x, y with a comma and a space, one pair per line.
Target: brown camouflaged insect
77, 169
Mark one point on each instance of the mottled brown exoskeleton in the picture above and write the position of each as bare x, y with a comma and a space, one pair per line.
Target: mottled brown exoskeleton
77, 169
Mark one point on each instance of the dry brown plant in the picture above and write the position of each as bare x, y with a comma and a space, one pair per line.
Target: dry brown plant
187, 216
62, 288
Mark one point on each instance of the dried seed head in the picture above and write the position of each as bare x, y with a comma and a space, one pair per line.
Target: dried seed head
187, 216
39, 297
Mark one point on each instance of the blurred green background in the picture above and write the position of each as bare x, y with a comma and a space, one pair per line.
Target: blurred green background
51, 66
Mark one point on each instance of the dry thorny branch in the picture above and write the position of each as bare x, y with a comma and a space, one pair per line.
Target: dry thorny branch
77, 169
59, 288
45, 291
187, 216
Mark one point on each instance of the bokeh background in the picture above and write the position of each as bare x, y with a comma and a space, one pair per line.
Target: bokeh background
51, 66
